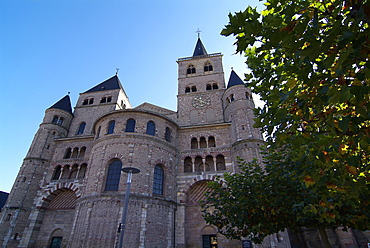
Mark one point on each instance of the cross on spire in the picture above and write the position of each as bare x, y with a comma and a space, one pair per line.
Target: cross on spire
198, 31
117, 69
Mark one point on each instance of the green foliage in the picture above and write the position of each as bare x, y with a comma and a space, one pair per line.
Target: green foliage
309, 63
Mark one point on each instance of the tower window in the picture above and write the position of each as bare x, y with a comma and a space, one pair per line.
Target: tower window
81, 128
158, 180
109, 99
114, 175
208, 87
194, 89
111, 125
60, 121
56, 242
68, 153
215, 86
188, 165
220, 162
98, 132
57, 172
167, 134
130, 126
85, 102
187, 89
202, 142
55, 119
91, 101
208, 67
190, 70
211, 141
194, 143
150, 128
103, 100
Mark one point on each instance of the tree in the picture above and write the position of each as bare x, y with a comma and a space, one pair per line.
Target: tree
309, 62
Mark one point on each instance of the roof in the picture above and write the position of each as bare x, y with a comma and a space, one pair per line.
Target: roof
112, 83
234, 80
63, 104
199, 49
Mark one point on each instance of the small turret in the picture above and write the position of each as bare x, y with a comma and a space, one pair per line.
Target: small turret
35, 165
238, 109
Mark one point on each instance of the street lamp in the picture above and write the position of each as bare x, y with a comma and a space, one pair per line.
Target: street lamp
130, 171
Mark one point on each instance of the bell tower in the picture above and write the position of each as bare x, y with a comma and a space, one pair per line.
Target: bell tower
200, 87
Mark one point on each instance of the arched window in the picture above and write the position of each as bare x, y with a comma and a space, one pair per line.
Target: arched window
193, 88
130, 126
74, 171
98, 132
187, 89
91, 101
209, 87
81, 128
82, 172
109, 99
215, 86
75, 153
113, 176
209, 166
167, 134
85, 102
232, 97
103, 100
199, 165
82, 152
57, 172
55, 119
111, 127
60, 121
208, 67
150, 128
158, 180
194, 143
65, 172
220, 162
188, 165
190, 70
202, 142
211, 141
68, 153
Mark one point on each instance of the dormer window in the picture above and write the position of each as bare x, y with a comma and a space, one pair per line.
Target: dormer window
88, 101
208, 67
106, 99
190, 70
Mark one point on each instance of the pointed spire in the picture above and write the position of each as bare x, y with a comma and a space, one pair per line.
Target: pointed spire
112, 83
199, 49
234, 79
63, 104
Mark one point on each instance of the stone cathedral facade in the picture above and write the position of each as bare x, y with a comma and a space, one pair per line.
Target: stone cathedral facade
70, 191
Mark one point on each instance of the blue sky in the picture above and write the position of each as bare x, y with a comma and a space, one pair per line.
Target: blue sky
51, 47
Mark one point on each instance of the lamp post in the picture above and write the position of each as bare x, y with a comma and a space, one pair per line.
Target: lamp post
130, 171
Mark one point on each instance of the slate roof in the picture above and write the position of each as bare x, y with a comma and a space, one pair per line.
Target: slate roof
234, 80
199, 49
112, 83
63, 104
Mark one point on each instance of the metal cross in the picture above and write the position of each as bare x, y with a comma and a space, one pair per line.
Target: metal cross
117, 69
198, 31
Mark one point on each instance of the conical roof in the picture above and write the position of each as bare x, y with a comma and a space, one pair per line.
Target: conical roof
199, 49
63, 104
112, 83
234, 80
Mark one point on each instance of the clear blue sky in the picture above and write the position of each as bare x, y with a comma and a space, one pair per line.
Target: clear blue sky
51, 47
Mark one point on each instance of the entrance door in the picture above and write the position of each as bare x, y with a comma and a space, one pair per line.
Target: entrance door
209, 241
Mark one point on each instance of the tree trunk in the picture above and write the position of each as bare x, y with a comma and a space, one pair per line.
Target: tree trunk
324, 237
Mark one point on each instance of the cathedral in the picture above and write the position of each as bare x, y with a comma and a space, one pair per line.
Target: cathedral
70, 190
